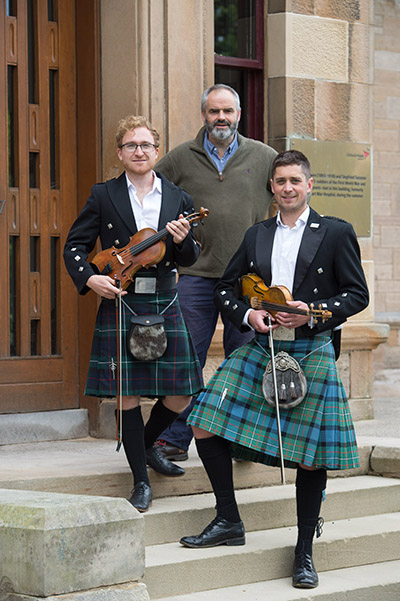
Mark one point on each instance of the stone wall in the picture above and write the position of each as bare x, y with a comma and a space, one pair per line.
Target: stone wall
320, 74
157, 58
386, 208
320, 63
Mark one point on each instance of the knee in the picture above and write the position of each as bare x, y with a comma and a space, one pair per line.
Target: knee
201, 434
130, 402
176, 403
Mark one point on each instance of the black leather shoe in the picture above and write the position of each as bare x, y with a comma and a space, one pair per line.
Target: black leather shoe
171, 452
304, 574
157, 461
218, 532
141, 496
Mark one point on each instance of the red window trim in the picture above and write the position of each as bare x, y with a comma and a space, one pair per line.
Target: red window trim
231, 61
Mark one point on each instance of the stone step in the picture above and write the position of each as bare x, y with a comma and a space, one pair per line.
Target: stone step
91, 466
377, 582
268, 555
271, 507
65, 424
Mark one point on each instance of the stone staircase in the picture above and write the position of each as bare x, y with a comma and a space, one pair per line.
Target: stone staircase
357, 557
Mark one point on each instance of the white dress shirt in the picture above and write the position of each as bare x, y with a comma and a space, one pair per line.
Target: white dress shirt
146, 213
285, 249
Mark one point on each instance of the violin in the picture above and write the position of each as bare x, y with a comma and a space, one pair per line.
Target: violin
145, 248
274, 299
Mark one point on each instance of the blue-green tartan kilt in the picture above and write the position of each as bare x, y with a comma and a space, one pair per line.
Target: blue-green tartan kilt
176, 373
318, 432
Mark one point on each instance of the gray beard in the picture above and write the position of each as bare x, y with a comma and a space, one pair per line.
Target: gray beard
221, 134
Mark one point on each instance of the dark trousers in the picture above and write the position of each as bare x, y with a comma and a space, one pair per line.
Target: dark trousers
200, 314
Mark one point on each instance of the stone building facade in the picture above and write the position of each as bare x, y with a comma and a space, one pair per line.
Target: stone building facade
321, 70
318, 85
386, 191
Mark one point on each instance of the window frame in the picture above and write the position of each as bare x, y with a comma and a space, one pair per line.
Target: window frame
254, 69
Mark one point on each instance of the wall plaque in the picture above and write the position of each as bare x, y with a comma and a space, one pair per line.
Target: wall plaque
342, 180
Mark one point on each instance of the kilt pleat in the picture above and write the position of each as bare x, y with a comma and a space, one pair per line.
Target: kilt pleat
318, 432
176, 373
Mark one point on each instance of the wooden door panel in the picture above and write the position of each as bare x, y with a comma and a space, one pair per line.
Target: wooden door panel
38, 308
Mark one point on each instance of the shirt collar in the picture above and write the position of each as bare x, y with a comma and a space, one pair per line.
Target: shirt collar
302, 220
157, 185
213, 149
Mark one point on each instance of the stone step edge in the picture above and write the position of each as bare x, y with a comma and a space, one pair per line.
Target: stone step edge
270, 507
174, 569
116, 480
367, 582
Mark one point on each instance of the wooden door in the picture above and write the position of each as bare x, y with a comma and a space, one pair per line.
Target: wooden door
38, 308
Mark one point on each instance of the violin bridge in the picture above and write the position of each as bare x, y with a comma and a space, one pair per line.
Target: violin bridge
120, 259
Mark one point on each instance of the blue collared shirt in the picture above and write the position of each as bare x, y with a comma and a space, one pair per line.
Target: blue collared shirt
212, 152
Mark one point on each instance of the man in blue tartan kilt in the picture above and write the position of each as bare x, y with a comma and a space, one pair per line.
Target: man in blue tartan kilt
318, 260
115, 211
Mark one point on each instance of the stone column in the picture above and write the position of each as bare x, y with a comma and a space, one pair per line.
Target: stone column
84, 548
157, 59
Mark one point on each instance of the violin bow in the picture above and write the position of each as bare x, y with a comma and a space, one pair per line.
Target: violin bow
118, 309
278, 417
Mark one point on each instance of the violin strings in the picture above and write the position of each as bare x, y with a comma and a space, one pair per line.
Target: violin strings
278, 307
143, 245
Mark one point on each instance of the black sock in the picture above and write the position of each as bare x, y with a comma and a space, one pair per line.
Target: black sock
215, 455
133, 443
160, 418
310, 485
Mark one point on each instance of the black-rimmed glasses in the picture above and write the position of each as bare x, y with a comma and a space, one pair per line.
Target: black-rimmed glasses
145, 147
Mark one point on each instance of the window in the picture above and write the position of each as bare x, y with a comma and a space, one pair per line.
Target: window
239, 58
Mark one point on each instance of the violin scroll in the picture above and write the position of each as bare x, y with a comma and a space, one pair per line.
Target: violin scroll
198, 216
324, 314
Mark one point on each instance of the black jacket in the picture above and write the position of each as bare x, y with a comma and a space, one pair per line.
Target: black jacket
108, 214
328, 271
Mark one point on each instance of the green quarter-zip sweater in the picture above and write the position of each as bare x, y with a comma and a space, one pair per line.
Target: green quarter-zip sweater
237, 197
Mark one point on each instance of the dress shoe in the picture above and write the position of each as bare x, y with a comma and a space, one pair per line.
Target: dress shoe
171, 452
218, 532
141, 496
157, 461
304, 574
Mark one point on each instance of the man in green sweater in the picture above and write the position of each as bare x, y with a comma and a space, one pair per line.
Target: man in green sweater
228, 174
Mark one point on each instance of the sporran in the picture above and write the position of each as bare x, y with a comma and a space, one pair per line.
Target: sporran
147, 339
290, 379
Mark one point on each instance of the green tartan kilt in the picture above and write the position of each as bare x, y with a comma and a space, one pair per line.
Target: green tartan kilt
177, 372
318, 432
